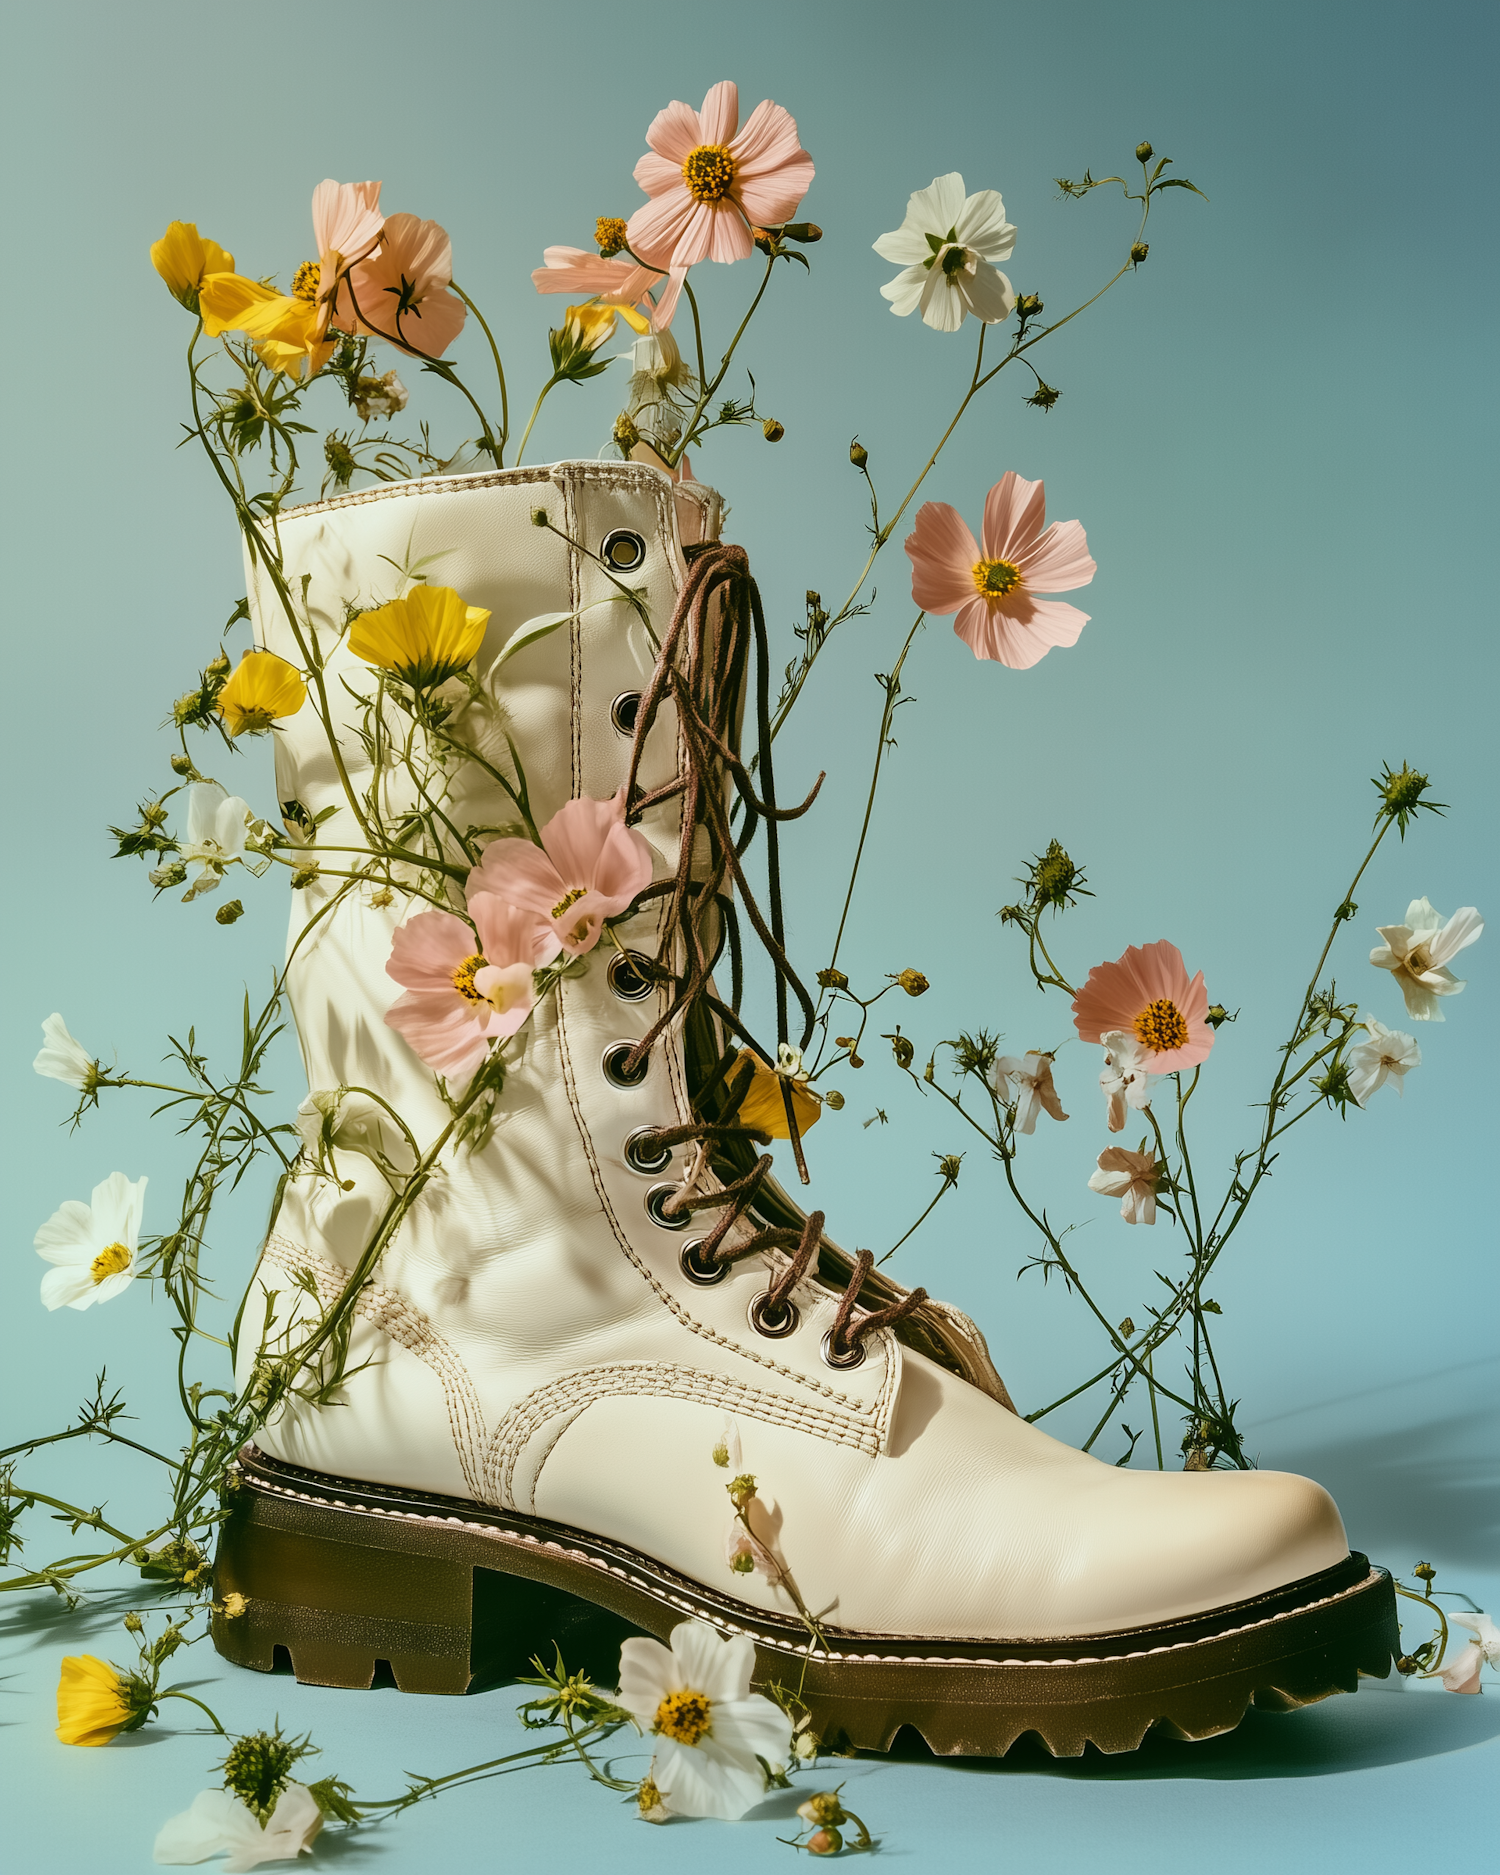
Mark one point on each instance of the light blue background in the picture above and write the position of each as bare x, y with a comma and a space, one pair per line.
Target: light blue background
1279, 437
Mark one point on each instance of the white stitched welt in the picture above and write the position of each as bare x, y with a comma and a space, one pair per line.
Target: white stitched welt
634, 478
391, 1313
779, 1643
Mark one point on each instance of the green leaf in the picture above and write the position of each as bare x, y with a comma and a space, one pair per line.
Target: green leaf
529, 634
1180, 182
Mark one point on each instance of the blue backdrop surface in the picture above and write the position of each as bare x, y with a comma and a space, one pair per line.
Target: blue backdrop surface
1278, 434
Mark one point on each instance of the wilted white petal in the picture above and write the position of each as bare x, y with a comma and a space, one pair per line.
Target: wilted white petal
64, 1059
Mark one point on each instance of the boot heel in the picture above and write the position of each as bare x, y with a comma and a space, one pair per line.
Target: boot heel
342, 1592
342, 1586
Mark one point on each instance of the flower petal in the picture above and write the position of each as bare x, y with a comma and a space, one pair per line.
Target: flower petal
943, 555
982, 226
1015, 512
1059, 561
720, 116
440, 1029
905, 291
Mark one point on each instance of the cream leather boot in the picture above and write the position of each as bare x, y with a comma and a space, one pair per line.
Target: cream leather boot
572, 1317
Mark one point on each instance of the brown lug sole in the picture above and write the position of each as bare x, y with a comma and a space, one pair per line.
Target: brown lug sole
344, 1575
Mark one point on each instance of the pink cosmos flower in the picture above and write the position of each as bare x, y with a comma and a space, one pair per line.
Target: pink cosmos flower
1147, 994
457, 998
401, 290
710, 182
994, 591
589, 867
347, 225
615, 282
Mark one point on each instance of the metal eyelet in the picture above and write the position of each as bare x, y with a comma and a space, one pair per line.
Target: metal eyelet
613, 1064
622, 551
639, 1159
852, 1358
668, 1220
627, 979
773, 1327
696, 1271
624, 710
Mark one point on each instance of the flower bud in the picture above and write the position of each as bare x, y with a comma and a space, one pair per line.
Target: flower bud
743, 1561
772, 430
183, 765
133, 1623
1127, 1328
609, 235
1138, 252
741, 1490
1197, 1460
824, 1842
1044, 396
1424, 1572
340, 459
1144, 152
538, 517
1216, 1015
1406, 1665
823, 1807
902, 1049
913, 982
807, 232
625, 433
165, 877
833, 1098
831, 978
304, 875
1028, 305
226, 914
720, 1454
858, 454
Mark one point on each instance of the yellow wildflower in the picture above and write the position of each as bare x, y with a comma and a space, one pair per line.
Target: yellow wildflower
764, 1107
95, 1701
264, 688
424, 639
184, 259
288, 331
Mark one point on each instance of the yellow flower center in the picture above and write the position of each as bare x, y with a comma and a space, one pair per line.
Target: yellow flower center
569, 898
609, 234
685, 1716
306, 280
109, 1262
463, 977
1162, 1026
993, 579
709, 172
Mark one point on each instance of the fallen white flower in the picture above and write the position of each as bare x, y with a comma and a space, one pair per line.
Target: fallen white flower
1461, 1675
711, 1730
92, 1245
1417, 951
219, 1824
1388, 1055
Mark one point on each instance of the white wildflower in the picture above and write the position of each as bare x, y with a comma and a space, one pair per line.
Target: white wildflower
218, 1823
1388, 1055
216, 825
1417, 951
1123, 1078
92, 1246
64, 1059
948, 246
1032, 1092
1131, 1177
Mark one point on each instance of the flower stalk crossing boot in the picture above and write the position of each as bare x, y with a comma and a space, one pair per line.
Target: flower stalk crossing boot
521, 1376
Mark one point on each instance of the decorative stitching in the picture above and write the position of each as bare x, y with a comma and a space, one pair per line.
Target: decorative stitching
634, 476
390, 1312
644, 1379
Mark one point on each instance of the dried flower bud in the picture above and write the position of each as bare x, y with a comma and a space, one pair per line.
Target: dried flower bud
609, 235
538, 517
165, 877
929, 1072
1028, 305
1127, 1328
831, 979
304, 875
772, 430
858, 454
1144, 152
741, 1490
626, 434
720, 1454
217, 669
340, 459
226, 914
807, 232
133, 1623
650, 1803
743, 1561
1401, 792
183, 765
949, 1166
1406, 1665
856, 1061
843, 1041
1424, 1572
823, 1807
833, 1098
1138, 252
1197, 1460
901, 1048
1044, 396
1216, 1015
913, 982
379, 900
